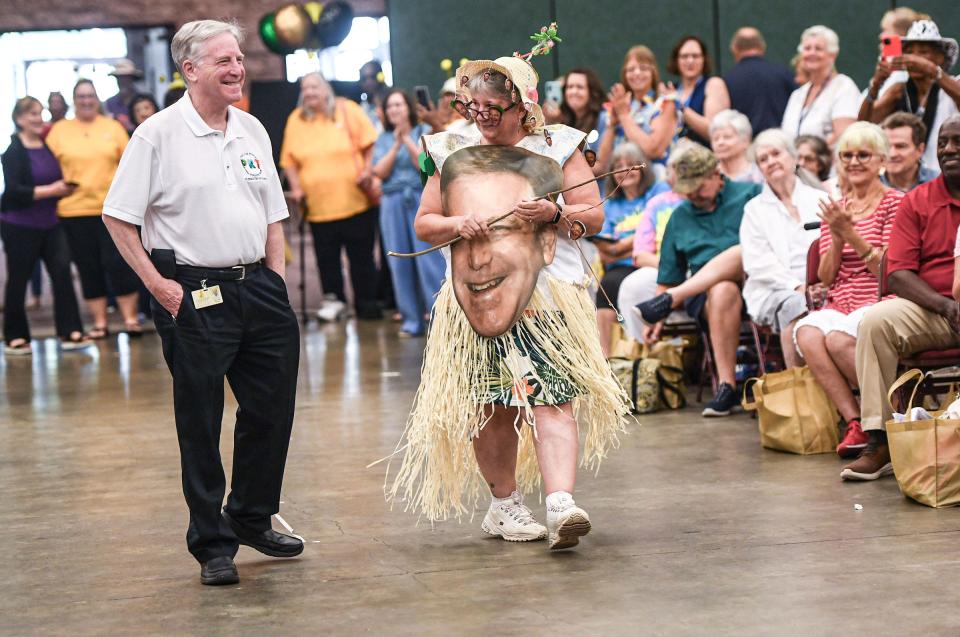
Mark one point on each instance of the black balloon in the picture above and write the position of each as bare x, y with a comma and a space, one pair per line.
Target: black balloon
334, 24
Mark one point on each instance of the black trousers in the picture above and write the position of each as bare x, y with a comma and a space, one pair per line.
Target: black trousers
252, 339
357, 235
25, 248
98, 260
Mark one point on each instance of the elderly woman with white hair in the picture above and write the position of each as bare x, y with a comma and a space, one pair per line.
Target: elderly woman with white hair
854, 235
774, 242
730, 136
327, 156
829, 101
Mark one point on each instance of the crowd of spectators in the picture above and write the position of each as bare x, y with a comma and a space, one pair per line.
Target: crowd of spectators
718, 228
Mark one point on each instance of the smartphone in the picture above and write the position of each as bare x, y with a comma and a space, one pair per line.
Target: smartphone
553, 91
605, 238
892, 47
423, 95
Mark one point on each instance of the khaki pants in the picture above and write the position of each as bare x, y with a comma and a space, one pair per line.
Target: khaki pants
890, 330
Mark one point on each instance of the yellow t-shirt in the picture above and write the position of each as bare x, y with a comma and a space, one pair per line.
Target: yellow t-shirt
326, 159
89, 153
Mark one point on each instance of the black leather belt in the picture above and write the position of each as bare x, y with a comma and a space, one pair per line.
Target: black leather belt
235, 273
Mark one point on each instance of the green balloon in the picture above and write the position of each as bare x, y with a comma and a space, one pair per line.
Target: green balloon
268, 33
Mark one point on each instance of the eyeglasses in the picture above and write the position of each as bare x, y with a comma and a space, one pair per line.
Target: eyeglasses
493, 114
862, 156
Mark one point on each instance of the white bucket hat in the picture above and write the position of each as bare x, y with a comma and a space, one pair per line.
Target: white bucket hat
927, 31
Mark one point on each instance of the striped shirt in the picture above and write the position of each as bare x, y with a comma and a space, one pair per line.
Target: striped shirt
855, 286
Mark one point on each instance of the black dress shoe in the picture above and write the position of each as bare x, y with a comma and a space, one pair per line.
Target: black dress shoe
268, 542
219, 571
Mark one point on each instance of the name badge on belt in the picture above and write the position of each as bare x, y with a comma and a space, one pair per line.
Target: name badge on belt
205, 297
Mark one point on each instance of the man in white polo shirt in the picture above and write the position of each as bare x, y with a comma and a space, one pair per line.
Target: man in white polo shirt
200, 178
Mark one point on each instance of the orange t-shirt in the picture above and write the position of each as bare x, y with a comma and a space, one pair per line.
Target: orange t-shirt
326, 154
89, 153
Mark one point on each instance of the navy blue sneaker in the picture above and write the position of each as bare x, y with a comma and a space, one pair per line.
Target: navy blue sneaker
723, 403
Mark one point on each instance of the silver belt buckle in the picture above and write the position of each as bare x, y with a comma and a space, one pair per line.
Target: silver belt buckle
243, 271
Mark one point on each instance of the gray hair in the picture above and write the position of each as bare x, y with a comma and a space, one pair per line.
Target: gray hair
329, 109
636, 156
773, 138
733, 119
826, 33
493, 82
191, 36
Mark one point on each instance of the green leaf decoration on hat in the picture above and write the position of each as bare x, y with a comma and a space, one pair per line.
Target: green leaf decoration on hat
546, 38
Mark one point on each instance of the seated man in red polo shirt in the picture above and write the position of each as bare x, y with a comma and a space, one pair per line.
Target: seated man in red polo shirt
925, 317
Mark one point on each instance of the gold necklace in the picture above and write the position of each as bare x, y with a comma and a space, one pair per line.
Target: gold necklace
868, 203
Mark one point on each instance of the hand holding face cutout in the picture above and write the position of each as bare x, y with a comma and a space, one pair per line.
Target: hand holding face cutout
542, 210
472, 226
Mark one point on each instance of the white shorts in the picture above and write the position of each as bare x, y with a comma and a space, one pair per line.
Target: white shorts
831, 321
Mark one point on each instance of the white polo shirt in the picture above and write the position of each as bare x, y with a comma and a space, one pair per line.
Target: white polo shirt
206, 195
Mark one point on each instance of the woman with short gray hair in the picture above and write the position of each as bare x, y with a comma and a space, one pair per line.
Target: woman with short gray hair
730, 135
829, 101
774, 243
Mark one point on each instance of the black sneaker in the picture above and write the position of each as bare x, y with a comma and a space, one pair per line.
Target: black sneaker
657, 308
723, 403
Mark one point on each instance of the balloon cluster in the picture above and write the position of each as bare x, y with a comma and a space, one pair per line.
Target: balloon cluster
311, 25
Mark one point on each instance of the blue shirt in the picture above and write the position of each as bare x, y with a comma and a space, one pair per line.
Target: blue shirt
621, 217
923, 177
404, 174
695, 236
760, 90
643, 114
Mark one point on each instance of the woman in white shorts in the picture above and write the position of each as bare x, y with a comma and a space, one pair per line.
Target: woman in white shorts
854, 233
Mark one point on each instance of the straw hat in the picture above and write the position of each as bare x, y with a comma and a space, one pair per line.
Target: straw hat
521, 77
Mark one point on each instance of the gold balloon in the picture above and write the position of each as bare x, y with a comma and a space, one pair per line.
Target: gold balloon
293, 25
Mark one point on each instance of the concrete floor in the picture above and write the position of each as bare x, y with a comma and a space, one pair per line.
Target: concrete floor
697, 530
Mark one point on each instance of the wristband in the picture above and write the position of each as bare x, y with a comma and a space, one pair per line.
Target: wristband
557, 217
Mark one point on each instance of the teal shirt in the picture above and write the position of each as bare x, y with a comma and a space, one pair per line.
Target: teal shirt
695, 236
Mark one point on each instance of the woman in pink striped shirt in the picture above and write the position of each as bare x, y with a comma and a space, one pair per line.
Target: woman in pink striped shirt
854, 234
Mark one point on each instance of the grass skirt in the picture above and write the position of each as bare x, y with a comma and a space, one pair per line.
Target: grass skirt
438, 476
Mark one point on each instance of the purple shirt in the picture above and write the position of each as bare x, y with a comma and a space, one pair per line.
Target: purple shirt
42, 214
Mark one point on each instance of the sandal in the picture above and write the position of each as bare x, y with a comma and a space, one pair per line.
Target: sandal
76, 340
133, 330
98, 333
18, 347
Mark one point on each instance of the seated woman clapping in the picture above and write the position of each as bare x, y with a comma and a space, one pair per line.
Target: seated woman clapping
855, 231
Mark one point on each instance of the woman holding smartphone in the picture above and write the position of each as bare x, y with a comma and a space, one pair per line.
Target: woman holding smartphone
31, 232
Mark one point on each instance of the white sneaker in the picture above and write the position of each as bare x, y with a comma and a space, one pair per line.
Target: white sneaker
566, 523
512, 520
332, 308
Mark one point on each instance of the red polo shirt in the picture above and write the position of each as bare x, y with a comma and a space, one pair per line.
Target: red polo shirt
924, 235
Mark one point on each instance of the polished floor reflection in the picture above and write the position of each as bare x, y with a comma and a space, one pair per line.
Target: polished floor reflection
697, 530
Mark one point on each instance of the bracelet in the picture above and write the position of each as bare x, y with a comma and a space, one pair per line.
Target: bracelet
556, 217
869, 99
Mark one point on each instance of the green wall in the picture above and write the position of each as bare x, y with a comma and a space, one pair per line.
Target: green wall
598, 33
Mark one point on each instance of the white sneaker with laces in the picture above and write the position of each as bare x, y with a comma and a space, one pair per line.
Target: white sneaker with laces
332, 309
510, 519
566, 523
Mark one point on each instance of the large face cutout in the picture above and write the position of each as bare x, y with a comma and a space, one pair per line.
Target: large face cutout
494, 277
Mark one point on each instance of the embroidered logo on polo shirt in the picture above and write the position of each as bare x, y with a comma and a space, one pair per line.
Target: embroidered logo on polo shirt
251, 165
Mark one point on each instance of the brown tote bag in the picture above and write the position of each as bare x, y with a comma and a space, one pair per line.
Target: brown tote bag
793, 412
372, 187
925, 453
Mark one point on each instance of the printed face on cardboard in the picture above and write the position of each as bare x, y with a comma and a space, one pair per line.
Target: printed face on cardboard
494, 277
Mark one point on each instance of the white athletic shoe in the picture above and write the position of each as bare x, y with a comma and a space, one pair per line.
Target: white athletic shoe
566, 523
332, 309
513, 521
